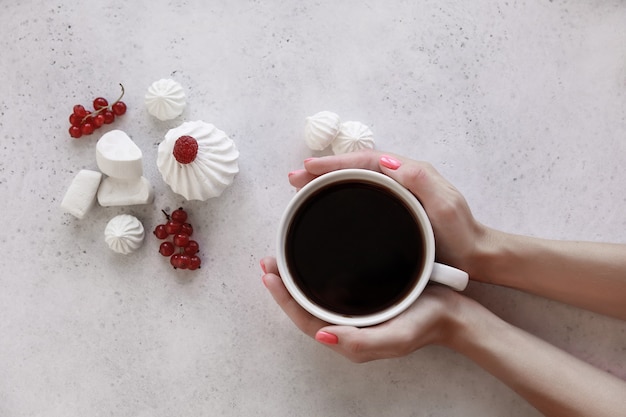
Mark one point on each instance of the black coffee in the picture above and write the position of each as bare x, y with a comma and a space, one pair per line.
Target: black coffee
354, 248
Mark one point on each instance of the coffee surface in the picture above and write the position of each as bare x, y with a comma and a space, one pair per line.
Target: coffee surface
354, 248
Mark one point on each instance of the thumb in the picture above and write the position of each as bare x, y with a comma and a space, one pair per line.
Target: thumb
421, 178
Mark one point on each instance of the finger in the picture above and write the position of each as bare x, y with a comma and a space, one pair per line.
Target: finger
421, 178
300, 178
365, 159
269, 265
301, 318
364, 344
314, 167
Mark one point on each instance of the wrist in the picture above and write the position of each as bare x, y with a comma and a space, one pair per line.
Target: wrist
457, 312
489, 250
469, 323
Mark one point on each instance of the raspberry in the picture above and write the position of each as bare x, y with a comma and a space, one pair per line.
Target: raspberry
185, 149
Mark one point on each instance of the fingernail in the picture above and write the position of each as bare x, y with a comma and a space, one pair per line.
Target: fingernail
389, 162
263, 281
308, 160
263, 266
326, 338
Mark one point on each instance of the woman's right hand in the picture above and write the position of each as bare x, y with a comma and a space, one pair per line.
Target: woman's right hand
459, 237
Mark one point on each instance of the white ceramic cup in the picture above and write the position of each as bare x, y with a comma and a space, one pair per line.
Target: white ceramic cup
430, 271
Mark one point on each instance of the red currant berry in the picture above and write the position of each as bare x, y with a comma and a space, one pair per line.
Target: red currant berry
179, 215
75, 120
175, 260
98, 121
173, 227
160, 231
75, 132
192, 248
184, 261
186, 229
167, 249
87, 128
181, 240
80, 111
88, 118
194, 262
119, 108
99, 103
109, 117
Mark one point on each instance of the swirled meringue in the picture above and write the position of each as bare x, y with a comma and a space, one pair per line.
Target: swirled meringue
213, 168
321, 129
353, 136
165, 99
124, 234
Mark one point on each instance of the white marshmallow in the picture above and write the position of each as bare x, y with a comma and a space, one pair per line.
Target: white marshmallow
81, 194
118, 156
125, 192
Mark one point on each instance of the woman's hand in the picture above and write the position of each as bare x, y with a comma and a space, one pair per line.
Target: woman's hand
428, 321
459, 237
556, 383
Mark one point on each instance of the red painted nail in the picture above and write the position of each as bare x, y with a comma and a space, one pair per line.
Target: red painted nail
326, 338
389, 162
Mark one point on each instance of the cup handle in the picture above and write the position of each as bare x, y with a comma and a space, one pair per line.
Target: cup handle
447, 275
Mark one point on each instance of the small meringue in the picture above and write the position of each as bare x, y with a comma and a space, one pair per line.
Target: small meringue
124, 234
321, 129
353, 136
165, 99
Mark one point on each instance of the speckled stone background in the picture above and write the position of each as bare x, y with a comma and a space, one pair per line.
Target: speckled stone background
521, 104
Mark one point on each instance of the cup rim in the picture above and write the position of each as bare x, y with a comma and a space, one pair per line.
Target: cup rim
400, 192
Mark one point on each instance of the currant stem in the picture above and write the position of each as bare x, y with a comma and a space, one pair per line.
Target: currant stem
101, 109
121, 95
167, 216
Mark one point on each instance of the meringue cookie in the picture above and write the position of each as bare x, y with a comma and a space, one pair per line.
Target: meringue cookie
124, 234
212, 170
165, 99
321, 129
353, 136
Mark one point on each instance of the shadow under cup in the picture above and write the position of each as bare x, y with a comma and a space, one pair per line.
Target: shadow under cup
355, 248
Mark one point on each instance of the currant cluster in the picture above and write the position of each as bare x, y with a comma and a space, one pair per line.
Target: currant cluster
85, 122
183, 251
